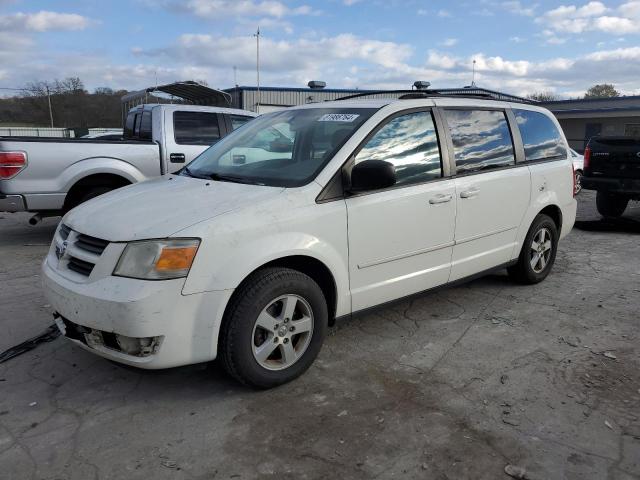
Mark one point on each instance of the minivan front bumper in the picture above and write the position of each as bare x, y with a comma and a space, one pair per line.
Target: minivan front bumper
111, 316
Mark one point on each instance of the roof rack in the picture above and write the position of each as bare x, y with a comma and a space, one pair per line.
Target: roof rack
413, 94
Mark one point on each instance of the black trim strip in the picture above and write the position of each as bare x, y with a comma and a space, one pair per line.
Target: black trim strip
475, 276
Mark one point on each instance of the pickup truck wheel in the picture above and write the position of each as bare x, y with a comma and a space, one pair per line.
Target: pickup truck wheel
274, 328
538, 252
610, 204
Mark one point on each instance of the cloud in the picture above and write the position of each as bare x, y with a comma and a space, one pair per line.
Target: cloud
43, 21
222, 9
515, 7
449, 42
593, 16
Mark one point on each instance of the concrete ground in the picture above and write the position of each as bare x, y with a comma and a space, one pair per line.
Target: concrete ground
453, 385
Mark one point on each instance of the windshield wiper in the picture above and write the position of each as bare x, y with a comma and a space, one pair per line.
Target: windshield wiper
189, 173
228, 178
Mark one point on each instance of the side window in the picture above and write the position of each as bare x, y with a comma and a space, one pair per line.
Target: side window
410, 143
145, 126
129, 124
540, 136
136, 127
238, 120
481, 139
196, 128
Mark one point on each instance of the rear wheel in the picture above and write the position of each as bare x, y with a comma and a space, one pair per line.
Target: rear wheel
610, 204
538, 252
274, 328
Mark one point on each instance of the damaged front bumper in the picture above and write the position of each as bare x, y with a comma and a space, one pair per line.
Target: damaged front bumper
148, 324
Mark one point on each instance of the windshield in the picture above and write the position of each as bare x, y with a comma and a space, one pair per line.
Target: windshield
284, 149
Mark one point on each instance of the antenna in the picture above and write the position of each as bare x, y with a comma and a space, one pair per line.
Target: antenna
235, 76
473, 77
257, 35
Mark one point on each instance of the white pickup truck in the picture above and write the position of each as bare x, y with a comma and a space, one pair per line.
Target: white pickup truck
50, 176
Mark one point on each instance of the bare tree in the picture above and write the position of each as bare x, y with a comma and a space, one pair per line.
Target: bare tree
602, 90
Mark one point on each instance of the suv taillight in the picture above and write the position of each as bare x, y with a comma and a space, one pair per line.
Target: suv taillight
11, 163
587, 158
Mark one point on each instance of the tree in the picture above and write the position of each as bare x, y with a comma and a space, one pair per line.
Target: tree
603, 90
545, 96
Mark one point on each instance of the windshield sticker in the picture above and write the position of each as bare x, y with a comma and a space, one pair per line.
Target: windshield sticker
339, 117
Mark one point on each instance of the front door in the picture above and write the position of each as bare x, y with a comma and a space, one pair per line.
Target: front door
401, 238
492, 194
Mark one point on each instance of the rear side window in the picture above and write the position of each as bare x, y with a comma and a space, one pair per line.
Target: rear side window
145, 126
481, 140
238, 120
128, 125
540, 136
410, 143
196, 128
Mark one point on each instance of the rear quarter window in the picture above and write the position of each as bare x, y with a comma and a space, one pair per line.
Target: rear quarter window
540, 136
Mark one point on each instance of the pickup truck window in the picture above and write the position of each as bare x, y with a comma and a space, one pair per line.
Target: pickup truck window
238, 120
481, 140
196, 128
541, 138
129, 124
410, 143
286, 148
145, 126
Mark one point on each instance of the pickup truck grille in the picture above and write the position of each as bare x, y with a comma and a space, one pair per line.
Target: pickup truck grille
79, 252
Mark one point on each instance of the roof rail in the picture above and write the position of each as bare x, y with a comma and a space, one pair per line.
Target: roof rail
413, 94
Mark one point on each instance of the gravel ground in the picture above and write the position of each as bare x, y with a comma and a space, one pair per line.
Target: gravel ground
452, 385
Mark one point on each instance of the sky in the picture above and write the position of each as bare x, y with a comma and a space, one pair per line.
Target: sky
518, 47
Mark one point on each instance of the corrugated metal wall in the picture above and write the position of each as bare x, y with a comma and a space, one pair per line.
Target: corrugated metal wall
289, 98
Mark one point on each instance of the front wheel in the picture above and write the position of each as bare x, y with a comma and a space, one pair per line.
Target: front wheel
610, 204
274, 328
538, 252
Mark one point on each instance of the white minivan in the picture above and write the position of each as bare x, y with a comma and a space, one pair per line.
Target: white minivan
306, 215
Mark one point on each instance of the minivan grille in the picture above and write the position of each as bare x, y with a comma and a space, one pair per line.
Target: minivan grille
91, 244
64, 231
81, 252
80, 266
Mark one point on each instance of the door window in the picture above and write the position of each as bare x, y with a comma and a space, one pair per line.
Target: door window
238, 120
410, 143
540, 136
481, 140
196, 128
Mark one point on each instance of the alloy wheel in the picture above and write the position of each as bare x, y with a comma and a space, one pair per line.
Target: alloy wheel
282, 332
541, 247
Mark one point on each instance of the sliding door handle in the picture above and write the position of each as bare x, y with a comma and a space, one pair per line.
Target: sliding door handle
440, 198
472, 192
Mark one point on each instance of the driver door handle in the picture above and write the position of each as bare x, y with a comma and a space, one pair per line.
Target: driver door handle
472, 192
440, 198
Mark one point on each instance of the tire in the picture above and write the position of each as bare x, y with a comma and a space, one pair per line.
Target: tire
610, 204
578, 181
86, 195
257, 322
528, 270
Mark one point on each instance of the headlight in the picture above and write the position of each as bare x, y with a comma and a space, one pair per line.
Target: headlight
157, 259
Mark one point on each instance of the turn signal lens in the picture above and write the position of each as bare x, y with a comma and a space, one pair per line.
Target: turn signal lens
176, 258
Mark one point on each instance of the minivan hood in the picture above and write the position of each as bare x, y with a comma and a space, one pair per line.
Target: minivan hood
161, 207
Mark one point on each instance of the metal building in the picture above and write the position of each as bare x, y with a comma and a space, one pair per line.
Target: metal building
268, 99
582, 119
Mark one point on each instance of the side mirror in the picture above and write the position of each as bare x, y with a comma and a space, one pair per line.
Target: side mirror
372, 175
